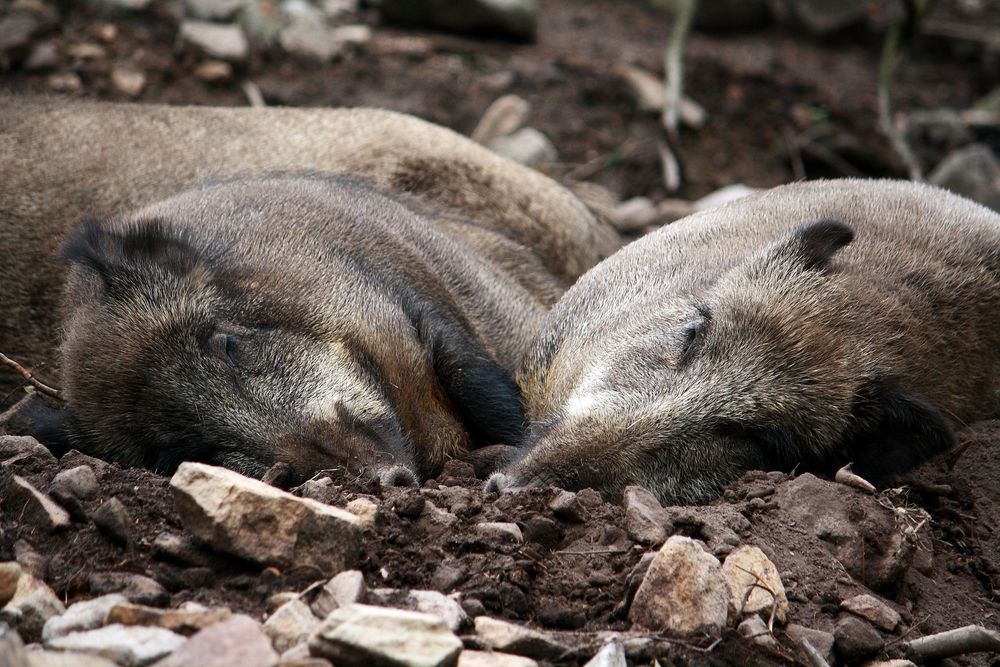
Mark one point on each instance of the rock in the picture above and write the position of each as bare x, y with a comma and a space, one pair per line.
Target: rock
22, 499
181, 548
410, 505
214, 71
10, 573
85, 615
222, 507
86, 51
856, 639
306, 33
32, 606
345, 589
23, 449
113, 520
633, 215
426, 602
317, 489
128, 80
503, 117
611, 654
566, 506
818, 639
825, 16
649, 93
493, 659
65, 659
889, 663
351, 36
238, 641
17, 29
730, 193
684, 591
360, 635
503, 531
30, 560
213, 10
512, 638
748, 570
517, 19
755, 629
218, 41
185, 620
527, 146
447, 576
334, 8
43, 55
291, 624
873, 609
364, 509
64, 82
645, 519
135, 587
973, 172
134, 645
80, 482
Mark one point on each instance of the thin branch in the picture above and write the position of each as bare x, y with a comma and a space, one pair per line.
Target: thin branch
970, 639
673, 64
31, 379
815, 658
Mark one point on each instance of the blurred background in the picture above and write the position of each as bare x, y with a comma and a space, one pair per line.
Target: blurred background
772, 90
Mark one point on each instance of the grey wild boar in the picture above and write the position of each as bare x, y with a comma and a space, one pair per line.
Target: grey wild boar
813, 324
326, 288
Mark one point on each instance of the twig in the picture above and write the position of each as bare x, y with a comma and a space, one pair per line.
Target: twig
593, 552
814, 656
253, 94
845, 476
970, 639
673, 64
35, 382
671, 167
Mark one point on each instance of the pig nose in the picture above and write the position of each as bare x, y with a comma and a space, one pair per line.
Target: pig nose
497, 483
397, 476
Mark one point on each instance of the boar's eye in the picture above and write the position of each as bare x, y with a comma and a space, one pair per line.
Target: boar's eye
224, 345
693, 335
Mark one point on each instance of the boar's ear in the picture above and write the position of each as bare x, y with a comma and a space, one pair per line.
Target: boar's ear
142, 246
814, 243
48, 425
483, 393
894, 432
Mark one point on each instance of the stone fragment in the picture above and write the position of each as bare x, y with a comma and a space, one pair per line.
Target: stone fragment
86, 51
291, 624
427, 602
566, 505
113, 520
135, 646
633, 215
820, 640
128, 80
32, 606
179, 547
10, 573
500, 530
226, 42
972, 171
222, 507
873, 609
308, 35
512, 18
448, 576
346, 588
724, 195
527, 146
80, 482
65, 659
213, 10
214, 71
611, 654
17, 29
512, 638
755, 629
503, 117
684, 591
890, 663
23, 449
85, 615
360, 635
30, 560
43, 55
239, 641
493, 659
185, 621
64, 82
645, 519
22, 499
364, 509
856, 639
351, 36
754, 583
136, 587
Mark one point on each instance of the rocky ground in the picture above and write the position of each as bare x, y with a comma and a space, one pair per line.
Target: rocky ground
132, 568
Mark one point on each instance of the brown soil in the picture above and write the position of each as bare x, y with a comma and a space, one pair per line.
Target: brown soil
763, 90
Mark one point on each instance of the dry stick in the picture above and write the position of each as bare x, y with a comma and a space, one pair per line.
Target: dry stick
814, 656
673, 67
26, 374
970, 639
252, 91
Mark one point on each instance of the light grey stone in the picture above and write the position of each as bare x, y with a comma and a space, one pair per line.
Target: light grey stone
684, 591
611, 654
32, 606
873, 609
493, 659
223, 41
291, 624
364, 509
43, 55
428, 602
134, 646
346, 588
527, 146
214, 10
820, 640
754, 583
237, 642
10, 574
755, 629
360, 635
222, 507
137, 588
22, 449
501, 530
128, 80
856, 639
21, 498
509, 637
645, 519
85, 615
80, 482
65, 659
973, 172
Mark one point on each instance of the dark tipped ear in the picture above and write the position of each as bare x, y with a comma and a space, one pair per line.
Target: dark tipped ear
894, 433
34, 417
144, 245
483, 393
814, 243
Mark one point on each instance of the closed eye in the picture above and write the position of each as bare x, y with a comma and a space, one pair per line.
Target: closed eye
694, 335
224, 345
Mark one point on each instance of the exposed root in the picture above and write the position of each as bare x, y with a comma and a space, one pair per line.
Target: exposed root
31, 379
